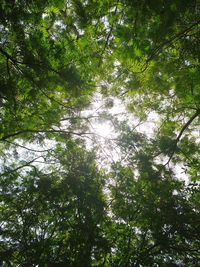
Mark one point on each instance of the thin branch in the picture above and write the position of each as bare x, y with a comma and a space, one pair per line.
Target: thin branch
186, 125
81, 118
29, 149
167, 43
196, 114
5, 137
9, 57
110, 32
52, 98
156, 51
27, 164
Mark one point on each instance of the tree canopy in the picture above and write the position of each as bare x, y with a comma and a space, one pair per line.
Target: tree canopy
59, 205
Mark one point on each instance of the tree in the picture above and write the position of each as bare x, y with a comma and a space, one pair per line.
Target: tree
155, 45
45, 74
59, 207
54, 218
154, 215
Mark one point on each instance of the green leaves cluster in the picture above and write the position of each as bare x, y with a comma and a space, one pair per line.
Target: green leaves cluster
58, 206
54, 218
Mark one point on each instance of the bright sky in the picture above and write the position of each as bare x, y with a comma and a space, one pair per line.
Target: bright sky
104, 133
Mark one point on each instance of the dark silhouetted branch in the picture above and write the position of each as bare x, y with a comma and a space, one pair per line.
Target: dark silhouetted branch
185, 126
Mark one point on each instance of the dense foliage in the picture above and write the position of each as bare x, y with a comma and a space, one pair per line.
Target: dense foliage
59, 206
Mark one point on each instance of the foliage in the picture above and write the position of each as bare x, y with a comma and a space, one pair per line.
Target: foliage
59, 207
54, 218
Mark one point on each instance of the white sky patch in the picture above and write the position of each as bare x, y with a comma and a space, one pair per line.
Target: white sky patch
106, 128
149, 126
180, 173
103, 129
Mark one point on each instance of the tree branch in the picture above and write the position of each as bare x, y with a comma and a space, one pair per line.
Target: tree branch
109, 33
27, 164
29, 149
5, 137
167, 43
185, 126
